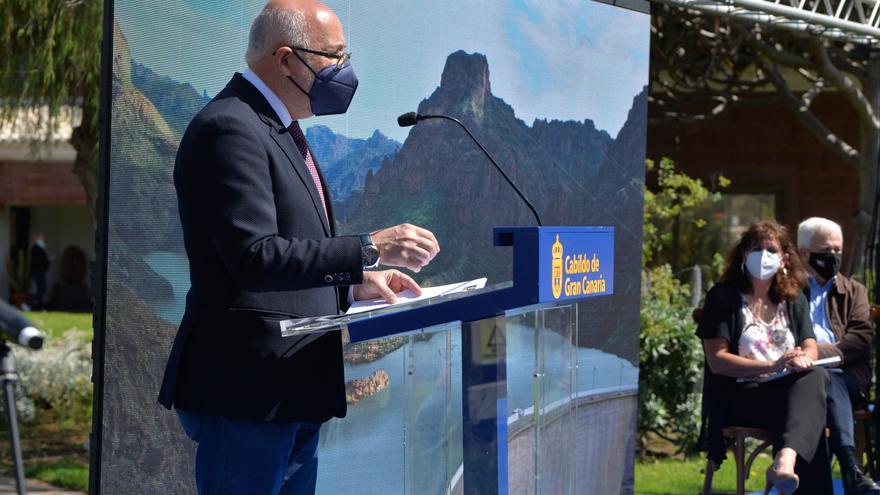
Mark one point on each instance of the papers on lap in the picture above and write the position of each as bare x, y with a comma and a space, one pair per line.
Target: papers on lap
832, 361
410, 296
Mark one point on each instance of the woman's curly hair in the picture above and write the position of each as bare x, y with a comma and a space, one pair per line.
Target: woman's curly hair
786, 283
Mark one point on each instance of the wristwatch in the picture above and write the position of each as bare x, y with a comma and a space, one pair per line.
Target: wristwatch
369, 252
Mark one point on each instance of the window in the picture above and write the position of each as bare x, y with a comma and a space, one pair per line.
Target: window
725, 221
741, 209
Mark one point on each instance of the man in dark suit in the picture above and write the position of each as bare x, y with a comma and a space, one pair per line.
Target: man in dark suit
258, 230
842, 323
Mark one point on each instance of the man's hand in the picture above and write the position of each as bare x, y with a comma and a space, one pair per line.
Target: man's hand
795, 360
406, 246
784, 361
800, 363
384, 284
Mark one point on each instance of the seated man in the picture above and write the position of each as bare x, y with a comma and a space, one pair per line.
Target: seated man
842, 324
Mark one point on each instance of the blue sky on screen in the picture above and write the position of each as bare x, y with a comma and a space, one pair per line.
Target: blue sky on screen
549, 59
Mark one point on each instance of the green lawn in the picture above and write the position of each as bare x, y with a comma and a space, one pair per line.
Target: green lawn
685, 477
56, 323
63, 474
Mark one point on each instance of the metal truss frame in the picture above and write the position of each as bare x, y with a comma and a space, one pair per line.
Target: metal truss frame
856, 21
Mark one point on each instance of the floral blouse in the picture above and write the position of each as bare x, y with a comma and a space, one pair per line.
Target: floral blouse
765, 341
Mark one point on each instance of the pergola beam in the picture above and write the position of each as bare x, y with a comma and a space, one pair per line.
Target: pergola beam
846, 20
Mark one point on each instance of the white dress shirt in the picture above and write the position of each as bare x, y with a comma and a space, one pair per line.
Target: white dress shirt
273, 99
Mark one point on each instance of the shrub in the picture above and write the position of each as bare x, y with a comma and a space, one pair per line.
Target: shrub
670, 354
58, 377
670, 363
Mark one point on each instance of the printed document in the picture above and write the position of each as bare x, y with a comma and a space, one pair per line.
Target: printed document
410, 296
832, 361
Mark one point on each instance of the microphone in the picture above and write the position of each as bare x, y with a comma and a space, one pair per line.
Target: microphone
408, 119
18, 328
412, 118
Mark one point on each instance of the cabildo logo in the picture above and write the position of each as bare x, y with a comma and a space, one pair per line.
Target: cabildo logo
575, 274
557, 268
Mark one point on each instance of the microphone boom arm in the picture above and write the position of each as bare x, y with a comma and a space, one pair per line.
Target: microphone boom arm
491, 159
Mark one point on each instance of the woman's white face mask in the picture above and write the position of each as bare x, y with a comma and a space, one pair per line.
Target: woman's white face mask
763, 264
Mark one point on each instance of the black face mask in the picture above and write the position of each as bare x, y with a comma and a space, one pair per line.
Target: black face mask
826, 264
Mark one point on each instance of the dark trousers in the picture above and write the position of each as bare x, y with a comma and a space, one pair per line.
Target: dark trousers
794, 408
238, 457
39, 289
842, 390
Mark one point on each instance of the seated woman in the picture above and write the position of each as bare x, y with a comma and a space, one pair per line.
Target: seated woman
756, 322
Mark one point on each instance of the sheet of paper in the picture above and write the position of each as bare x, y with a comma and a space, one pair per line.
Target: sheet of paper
831, 361
410, 296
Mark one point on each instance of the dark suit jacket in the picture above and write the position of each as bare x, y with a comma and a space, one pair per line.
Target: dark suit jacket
849, 315
260, 251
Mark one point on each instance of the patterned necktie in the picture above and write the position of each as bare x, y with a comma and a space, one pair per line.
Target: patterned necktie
300, 139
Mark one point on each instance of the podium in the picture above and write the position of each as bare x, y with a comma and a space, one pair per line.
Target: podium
491, 377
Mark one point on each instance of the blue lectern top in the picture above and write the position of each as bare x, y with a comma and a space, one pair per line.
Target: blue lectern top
551, 265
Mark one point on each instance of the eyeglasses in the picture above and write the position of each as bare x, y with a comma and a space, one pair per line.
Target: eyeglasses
341, 59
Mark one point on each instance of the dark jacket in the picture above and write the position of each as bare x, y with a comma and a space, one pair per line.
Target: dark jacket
722, 317
260, 251
849, 315
39, 259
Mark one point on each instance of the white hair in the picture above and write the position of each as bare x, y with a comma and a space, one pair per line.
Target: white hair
274, 26
812, 226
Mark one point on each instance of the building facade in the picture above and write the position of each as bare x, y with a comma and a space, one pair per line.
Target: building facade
39, 193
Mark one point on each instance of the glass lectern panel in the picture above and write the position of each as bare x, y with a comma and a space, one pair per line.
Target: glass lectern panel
341, 322
399, 434
540, 383
605, 400
432, 407
508, 403
554, 425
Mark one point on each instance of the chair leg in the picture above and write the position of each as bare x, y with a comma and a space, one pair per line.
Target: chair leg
710, 472
739, 452
869, 449
860, 442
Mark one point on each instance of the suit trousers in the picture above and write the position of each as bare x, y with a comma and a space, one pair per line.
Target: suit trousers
794, 408
239, 457
842, 389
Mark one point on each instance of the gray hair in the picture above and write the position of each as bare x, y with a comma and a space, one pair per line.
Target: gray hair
812, 226
273, 26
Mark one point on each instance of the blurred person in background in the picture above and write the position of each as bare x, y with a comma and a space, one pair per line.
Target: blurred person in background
39, 266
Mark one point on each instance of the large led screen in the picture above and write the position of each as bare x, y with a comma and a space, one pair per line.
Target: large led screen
554, 89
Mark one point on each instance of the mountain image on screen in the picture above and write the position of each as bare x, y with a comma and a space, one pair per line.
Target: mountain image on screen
347, 161
570, 170
575, 174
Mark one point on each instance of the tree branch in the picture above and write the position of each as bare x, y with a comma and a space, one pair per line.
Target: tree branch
846, 86
844, 60
808, 97
837, 145
780, 57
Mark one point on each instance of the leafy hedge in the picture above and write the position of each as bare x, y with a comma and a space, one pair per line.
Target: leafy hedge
671, 356
670, 363
57, 378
